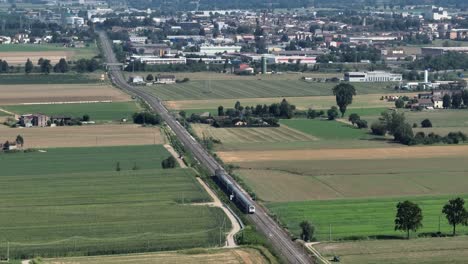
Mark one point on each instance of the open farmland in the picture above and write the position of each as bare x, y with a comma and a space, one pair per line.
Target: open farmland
74, 202
52, 78
264, 88
226, 256
340, 179
56, 93
315, 102
96, 111
17, 54
83, 136
360, 218
415, 251
251, 135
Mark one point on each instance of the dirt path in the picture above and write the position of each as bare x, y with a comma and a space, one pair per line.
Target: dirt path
316, 252
175, 155
7, 112
230, 242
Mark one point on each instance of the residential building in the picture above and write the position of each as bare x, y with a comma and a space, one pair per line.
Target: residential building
459, 34
165, 79
30, 120
375, 76
138, 39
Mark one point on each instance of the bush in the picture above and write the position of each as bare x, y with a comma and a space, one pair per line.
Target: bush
168, 163
353, 118
378, 129
361, 123
332, 113
426, 123
399, 103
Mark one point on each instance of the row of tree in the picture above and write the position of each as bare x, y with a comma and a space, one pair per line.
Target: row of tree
456, 100
283, 110
409, 217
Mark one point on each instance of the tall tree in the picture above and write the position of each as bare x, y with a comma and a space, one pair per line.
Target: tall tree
307, 230
465, 97
28, 67
61, 66
344, 93
446, 101
220, 110
456, 213
46, 66
408, 217
20, 140
457, 100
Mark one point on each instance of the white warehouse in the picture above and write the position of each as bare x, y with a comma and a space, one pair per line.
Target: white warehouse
374, 76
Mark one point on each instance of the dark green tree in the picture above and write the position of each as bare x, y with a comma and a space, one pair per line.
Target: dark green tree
456, 213
408, 217
446, 101
344, 93
457, 100
465, 97
46, 66
426, 123
332, 113
399, 103
61, 66
150, 77
28, 67
168, 163
20, 140
117, 166
220, 110
307, 230
353, 118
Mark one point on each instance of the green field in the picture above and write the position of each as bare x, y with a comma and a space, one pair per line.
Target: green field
79, 53
97, 111
343, 179
74, 202
360, 218
328, 130
226, 89
75, 160
47, 79
414, 251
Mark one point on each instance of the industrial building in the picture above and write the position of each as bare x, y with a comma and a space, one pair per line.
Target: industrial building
375, 76
213, 50
153, 60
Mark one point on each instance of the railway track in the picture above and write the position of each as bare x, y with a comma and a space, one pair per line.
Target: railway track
289, 251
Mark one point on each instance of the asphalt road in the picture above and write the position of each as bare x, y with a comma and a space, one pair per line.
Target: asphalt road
287, 249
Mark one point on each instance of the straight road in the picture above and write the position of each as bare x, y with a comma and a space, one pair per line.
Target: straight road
288, 250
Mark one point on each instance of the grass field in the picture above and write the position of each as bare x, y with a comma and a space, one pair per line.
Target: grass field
83, 136
65, 78
58, 93
96, 111
415, 251
360, 218
343, 179
364, 101
325, 129
227, 256
233, 89
18, 53
89, 159
74, 202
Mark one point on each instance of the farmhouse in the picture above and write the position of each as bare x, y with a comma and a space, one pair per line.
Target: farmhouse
8, 146
30, 120
165, 79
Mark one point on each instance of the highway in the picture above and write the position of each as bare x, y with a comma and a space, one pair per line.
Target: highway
289, 251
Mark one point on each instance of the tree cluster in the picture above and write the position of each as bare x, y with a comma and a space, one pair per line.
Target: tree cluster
283, 110
4, 67
356, 120
146, 118
409, 215
456, 101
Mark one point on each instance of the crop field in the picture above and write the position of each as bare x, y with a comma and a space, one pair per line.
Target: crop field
360, 218
86, 159
341, 179
106, 212
73, 201
415, 251
196, 256
96, 111
251, 135
56, 93
83, 136
364, 101
233, 89
53, 78
19, 53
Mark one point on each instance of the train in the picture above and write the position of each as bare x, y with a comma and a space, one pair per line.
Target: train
235, 194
